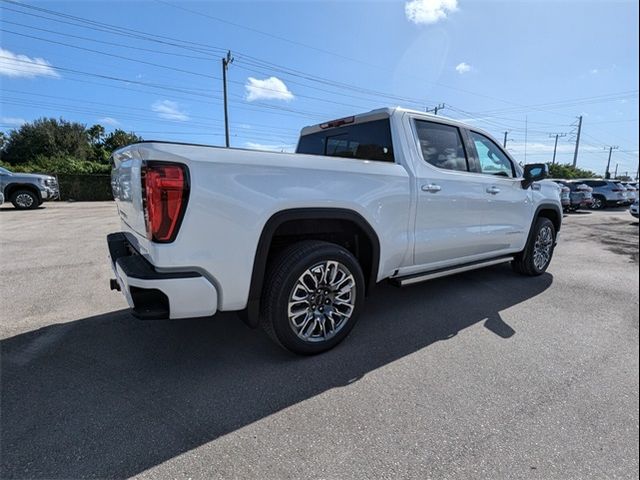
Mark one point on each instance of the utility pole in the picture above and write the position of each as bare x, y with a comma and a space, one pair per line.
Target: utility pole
435, 109
504, 144
225, 66
615, 175
555, 147
611, 148
575, 153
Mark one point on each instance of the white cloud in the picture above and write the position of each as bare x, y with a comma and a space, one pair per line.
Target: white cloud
271, 88
12, 121
463, 68
429, 11
267, 147
18, 65
594, 71
169, 110
109, 121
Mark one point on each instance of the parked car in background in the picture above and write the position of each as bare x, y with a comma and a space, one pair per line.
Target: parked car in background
27, 190
632, 191
606, 193
565, 196
580, 195
633, 209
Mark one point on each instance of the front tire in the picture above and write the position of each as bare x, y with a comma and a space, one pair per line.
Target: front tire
313, 294
536, 256
25, 200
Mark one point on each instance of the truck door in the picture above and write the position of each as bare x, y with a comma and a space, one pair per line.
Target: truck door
460, 214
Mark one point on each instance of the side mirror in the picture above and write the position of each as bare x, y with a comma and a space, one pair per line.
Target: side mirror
534, 172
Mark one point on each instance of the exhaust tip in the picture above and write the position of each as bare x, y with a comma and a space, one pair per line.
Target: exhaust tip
113, 283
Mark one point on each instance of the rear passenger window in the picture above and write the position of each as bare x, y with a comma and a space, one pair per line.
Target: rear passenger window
595, 183
366, 141
442, 145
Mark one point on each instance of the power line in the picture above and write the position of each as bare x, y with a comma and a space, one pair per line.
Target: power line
105, 42
136, 60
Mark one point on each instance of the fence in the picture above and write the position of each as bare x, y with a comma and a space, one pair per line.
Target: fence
84, 187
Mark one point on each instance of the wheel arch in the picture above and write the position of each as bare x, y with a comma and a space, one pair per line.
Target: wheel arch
550, 211
11, 188
298, 223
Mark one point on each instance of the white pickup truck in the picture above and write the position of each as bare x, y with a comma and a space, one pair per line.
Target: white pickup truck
295, 241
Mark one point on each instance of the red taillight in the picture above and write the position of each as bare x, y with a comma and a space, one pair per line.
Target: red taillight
166, 190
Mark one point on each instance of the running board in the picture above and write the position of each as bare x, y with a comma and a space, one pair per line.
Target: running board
444, 272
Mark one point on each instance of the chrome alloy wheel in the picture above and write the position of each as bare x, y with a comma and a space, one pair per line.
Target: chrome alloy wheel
24, 200
322, 301
542, 248
597, 203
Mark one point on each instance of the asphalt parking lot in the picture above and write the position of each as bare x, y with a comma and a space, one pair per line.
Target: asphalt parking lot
484, 375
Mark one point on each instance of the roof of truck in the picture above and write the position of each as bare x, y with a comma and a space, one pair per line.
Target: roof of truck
378, 113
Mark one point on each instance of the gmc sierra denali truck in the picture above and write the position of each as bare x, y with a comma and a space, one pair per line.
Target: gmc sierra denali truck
295, 241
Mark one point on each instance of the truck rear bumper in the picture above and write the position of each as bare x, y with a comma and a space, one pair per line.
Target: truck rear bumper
157, 295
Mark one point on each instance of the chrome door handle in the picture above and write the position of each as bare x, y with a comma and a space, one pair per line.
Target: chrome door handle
493, 190
431, 188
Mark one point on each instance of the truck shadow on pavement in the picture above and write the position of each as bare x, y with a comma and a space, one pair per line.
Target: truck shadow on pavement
110, 396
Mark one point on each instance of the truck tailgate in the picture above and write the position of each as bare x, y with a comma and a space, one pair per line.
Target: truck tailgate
127, 188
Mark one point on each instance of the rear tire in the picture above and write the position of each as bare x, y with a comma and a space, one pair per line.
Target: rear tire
313, 294
24, 200
536, 256
599, 202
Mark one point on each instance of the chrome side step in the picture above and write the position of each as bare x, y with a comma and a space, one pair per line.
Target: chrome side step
444, 272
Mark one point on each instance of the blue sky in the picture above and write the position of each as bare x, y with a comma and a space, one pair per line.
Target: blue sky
529, 68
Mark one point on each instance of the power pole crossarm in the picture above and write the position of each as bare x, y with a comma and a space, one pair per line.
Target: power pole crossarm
435, 109
225, 66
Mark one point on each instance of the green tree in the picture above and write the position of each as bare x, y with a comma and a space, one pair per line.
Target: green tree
568, 172
106, 144
96, 133
46, 137
119, 138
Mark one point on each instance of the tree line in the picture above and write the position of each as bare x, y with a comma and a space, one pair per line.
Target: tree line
50, 145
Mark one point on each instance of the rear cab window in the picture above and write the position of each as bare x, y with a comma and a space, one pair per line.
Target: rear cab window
442, 145
365, 141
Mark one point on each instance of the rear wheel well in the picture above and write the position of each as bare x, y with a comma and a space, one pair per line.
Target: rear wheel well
342, 232
342, 227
